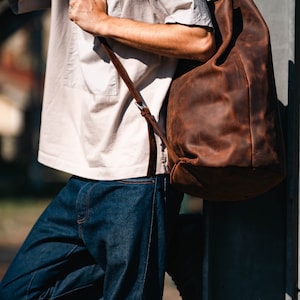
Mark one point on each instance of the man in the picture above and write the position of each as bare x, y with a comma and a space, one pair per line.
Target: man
103, 236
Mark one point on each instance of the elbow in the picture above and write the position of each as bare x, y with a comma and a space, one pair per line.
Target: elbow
206, 47
210, 47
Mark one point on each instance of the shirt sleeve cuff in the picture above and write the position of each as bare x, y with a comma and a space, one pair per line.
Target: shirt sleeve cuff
180, 17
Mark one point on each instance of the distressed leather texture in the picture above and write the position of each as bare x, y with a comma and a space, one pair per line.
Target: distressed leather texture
224, 134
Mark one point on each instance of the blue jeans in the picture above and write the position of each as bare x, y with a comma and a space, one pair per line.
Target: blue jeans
96, 240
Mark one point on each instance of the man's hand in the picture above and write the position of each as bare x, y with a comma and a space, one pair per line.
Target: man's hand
88, 14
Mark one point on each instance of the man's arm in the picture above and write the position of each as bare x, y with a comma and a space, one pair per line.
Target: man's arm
180, 41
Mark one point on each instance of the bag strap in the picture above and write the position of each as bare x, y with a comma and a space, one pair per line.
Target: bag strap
145, 111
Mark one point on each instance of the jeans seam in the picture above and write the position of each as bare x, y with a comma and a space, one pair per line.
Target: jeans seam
150, 230
29, 285
165, 189
71, 251
70, 291
81, 220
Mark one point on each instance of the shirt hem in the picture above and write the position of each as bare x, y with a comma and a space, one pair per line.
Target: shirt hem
99, 173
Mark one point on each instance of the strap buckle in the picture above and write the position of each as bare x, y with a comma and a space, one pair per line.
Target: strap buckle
141, 107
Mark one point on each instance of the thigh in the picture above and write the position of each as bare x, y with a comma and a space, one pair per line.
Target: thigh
53, 261
131, 216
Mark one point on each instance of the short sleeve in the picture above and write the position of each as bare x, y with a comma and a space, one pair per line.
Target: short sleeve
187, 12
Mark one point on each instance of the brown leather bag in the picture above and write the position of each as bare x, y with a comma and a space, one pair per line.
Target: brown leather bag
222, 120
224, 136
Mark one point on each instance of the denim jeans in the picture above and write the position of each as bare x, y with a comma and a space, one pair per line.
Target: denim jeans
95, 240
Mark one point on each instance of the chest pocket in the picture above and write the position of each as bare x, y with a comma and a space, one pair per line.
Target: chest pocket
87, 67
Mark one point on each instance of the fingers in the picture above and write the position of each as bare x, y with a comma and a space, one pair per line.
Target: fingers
73, 8
71, 4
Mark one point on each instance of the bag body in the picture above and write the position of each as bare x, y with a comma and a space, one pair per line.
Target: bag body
223, 117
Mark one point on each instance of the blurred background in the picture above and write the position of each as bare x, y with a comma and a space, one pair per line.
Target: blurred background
23, 49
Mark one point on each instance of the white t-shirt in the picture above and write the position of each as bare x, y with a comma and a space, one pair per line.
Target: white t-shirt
91, 126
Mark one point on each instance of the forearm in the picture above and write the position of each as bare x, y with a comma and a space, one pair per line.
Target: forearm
165, 39
175, 40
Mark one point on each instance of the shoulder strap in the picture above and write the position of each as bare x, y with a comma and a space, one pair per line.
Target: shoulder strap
145, 111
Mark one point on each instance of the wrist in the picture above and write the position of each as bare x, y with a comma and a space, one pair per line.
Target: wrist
104, 26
